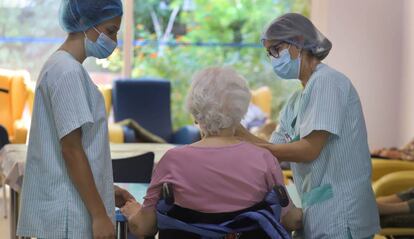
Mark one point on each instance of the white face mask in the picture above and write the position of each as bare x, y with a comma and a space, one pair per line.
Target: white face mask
286, 67
102, 48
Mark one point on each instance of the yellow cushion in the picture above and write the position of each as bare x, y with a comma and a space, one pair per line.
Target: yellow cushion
262, 97
397, 231
381, 167
393, 183
20, 132
14, 101
19, 93
287, 175
30, 87
116, 134
106, 91
5, 109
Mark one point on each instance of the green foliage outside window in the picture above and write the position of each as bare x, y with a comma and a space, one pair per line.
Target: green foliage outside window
197, 21
207, 21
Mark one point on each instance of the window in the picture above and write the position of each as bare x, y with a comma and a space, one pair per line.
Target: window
171, 39
30, 33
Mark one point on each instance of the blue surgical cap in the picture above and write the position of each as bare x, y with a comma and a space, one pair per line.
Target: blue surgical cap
80, 15
300, 31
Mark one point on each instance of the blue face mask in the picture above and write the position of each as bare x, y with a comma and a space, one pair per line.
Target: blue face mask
102, 48
285, 67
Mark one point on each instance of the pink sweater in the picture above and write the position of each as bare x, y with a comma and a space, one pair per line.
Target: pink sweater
219, 179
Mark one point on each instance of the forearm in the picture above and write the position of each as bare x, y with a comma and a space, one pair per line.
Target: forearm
305, 150
299, 152
81, 176
143, 223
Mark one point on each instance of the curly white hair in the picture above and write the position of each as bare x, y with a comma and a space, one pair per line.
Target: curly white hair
218, 99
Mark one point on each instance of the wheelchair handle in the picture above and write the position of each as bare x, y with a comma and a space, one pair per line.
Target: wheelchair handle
282, 195
168, 193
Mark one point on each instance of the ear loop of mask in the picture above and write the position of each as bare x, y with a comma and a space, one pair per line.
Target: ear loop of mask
84, 33
300, 61
283, 49
299, 57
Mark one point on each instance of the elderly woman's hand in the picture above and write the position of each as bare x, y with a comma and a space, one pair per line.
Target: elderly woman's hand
292, 220
122, 196
130, 209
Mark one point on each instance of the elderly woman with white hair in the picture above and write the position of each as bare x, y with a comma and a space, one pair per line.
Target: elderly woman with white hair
219, 173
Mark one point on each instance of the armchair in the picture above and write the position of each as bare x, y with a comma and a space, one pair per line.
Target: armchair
147, 101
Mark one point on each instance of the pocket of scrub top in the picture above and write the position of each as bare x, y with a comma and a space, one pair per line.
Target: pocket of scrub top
317, 195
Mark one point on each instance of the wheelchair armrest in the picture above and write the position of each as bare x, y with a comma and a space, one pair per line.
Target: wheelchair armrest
395, 231
382, 167
167, 193
186, 135
393, 183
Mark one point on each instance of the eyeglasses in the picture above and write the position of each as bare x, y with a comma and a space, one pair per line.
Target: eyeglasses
275, 50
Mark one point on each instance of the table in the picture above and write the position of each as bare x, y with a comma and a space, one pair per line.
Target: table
13, 158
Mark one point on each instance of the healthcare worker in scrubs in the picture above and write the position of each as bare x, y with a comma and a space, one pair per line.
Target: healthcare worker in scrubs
68, 187
322, 133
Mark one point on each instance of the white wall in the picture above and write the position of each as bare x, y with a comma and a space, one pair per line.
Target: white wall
373, 45
407, 89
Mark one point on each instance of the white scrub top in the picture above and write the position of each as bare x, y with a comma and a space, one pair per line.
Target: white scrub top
335, 189
65, 99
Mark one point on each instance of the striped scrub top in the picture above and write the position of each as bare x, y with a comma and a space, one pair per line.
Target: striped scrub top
65, 99
335, 189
